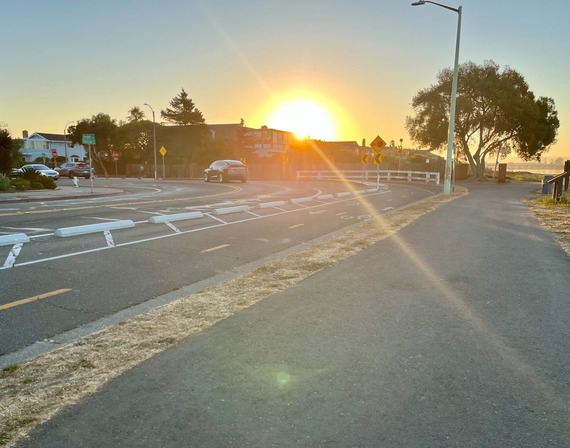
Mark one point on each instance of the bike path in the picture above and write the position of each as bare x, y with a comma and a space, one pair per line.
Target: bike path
452, 333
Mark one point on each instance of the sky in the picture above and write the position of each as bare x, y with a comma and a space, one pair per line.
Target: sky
353, 66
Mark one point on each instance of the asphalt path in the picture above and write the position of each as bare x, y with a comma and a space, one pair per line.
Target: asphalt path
452, 333
57, 285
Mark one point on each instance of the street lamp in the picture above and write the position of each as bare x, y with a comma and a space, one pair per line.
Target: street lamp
65, 139
449, 161
154, 138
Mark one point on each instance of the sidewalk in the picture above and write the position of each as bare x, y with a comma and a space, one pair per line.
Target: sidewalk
452, 333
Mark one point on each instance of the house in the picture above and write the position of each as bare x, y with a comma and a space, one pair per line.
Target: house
41, 145
267, 142
264, 142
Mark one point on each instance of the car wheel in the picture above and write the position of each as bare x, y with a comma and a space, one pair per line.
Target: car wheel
87, 177
221, 177
243, 181
71, 175
206, 177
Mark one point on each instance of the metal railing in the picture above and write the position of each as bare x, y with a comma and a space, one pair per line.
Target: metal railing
371, 175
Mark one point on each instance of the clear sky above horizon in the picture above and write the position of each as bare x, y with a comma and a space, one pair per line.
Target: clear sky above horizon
360, 62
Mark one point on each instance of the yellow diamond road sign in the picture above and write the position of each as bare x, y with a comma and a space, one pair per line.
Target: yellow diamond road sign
377, 158
378, 144
162, 151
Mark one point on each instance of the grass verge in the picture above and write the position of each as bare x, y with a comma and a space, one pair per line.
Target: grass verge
553, 216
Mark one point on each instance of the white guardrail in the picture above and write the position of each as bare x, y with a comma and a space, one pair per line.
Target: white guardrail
371, 175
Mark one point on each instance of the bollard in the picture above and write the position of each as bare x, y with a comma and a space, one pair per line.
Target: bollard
75, 181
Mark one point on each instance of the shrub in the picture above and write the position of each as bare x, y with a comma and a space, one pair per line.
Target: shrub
48, 183
30, 174
36, 185
21, 184
5, 184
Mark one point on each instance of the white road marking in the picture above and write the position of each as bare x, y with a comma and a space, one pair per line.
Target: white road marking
220, 223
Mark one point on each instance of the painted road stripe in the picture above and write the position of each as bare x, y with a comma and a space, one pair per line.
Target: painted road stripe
211, 249
296, 225
33, 299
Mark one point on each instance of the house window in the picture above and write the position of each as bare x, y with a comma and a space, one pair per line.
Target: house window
36, 144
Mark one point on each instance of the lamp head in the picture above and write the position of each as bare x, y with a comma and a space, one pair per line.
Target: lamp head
420, 3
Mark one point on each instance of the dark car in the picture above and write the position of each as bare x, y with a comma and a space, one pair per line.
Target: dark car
226, 170
74, 169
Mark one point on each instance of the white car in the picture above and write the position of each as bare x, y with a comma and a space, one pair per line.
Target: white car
42, 169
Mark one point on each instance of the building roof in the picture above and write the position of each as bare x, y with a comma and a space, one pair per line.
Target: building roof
47, 136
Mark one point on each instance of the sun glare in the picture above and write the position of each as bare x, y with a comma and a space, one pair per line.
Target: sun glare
305, 118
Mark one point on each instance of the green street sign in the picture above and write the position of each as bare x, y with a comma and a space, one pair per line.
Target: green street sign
88, 139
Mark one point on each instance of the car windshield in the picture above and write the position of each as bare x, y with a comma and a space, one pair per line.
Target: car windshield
38, 167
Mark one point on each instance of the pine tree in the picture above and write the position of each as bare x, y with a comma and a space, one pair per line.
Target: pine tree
182, 111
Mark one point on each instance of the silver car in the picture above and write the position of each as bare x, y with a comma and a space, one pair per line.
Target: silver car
74, 169
42, 169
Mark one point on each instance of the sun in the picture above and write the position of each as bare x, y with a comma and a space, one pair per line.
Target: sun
305, 118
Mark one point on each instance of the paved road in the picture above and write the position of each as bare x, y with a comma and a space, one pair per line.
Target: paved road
55, 285
454, 333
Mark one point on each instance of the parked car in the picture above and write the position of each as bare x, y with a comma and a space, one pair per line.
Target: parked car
74, 169
14, 172
226, 170
42, 169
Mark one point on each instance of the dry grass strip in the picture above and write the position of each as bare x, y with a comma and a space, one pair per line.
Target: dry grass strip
32, 392
553, 217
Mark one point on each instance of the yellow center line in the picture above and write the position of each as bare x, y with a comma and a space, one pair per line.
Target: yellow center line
214, 248
33, 299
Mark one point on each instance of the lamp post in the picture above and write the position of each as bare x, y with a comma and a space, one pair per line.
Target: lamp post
449, 160
154, 139
65, 139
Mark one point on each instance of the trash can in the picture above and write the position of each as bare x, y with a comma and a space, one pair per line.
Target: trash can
546, 187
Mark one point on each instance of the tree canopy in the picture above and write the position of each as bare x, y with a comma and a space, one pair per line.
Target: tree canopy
104, 128
495, 108
182, 111
134, 140
5, 151
135, 114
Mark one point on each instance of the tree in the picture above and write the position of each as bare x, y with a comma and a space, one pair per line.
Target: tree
135, 114
182, 111
494, 109
194, 137
5, 151
134, 139
104, 128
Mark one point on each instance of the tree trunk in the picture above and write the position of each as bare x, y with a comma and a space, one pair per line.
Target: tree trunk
97, 157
